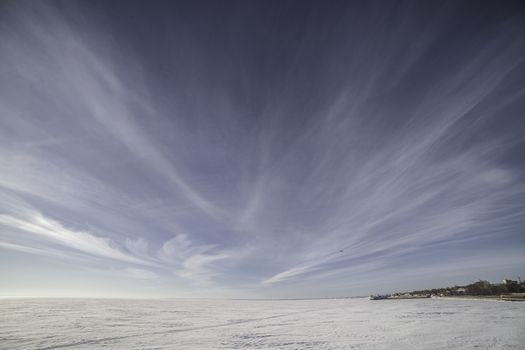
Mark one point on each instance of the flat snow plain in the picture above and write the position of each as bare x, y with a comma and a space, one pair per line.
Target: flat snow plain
254, 324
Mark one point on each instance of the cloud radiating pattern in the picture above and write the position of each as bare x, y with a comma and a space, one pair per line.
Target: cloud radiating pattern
301, 150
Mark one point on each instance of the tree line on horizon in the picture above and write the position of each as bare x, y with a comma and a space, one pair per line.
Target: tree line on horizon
480, 288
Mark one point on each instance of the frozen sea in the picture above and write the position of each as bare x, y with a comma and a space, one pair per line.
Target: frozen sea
255, 324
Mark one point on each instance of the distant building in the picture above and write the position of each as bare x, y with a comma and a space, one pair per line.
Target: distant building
461, 291
507, 282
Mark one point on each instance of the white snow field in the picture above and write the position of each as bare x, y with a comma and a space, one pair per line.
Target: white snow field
253, 324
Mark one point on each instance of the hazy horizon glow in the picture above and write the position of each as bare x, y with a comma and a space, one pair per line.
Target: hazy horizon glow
259, 149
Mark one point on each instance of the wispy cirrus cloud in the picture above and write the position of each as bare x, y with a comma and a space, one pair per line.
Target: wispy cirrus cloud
407, 207
86, 92
417, 187
87, 97
195, 262
25, 218
179, 254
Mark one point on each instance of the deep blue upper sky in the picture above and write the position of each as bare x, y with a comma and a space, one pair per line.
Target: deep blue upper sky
259, 149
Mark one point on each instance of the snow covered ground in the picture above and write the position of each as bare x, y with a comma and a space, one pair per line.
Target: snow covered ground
250, 324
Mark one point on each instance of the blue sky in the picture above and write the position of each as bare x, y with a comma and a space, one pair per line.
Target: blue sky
259, 149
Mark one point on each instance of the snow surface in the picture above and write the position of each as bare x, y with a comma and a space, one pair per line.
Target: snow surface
255, 324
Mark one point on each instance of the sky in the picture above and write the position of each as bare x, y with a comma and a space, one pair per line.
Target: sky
259, 149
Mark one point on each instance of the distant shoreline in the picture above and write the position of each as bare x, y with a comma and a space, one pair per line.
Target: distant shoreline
482, 297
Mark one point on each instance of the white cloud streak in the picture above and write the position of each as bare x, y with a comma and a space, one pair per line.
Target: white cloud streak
31, 221
179, 254
413, 190
195, 262
91, 89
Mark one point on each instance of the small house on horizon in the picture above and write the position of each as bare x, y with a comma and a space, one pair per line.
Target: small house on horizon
460, 291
